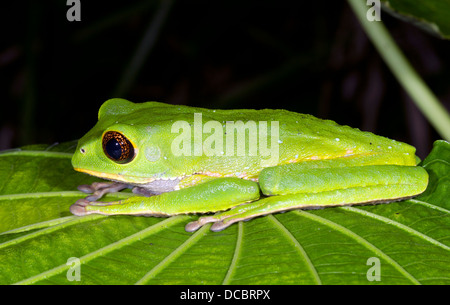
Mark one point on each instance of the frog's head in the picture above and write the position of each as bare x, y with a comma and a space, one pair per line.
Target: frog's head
124, 147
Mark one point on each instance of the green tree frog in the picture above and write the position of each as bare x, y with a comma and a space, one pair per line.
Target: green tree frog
235, 165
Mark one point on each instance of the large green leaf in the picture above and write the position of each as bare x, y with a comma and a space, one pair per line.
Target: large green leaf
409, 239
430, 15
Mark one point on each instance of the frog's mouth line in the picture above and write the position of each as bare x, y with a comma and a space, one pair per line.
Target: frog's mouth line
122, 178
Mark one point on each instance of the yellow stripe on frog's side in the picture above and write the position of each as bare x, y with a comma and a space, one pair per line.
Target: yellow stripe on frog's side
366, 158
116, 177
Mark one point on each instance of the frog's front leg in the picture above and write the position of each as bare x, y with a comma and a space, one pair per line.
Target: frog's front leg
295, 186
211, 196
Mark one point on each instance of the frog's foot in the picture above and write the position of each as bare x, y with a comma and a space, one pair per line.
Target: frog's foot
219, 223
225, 219
98, 189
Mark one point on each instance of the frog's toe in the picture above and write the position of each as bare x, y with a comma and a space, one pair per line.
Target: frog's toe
222, 225
86, 188
79, 207
216, 227
93, 197
195, 225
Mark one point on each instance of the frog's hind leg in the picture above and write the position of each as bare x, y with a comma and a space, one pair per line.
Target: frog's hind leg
319, 189
276, 204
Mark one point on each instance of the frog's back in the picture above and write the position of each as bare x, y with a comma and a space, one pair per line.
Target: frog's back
296, 137
303, 137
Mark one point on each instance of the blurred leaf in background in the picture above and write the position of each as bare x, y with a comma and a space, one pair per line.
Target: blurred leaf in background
432, 16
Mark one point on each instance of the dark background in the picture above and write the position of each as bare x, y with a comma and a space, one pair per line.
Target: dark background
305, 56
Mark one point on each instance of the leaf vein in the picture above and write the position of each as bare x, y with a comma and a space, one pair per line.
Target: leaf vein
398, 225
237, 251
299, 249
359, 239
174, 254
113, 246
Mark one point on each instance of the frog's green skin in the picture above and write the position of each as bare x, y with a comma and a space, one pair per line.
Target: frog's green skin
319, 164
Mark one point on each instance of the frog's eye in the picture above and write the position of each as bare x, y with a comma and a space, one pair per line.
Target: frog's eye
117, 147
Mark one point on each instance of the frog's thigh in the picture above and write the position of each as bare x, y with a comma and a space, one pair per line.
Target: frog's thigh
294, 178
380, 183
215, 195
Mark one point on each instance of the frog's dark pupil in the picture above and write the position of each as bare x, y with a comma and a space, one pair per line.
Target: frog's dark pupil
117, 147
113, 149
